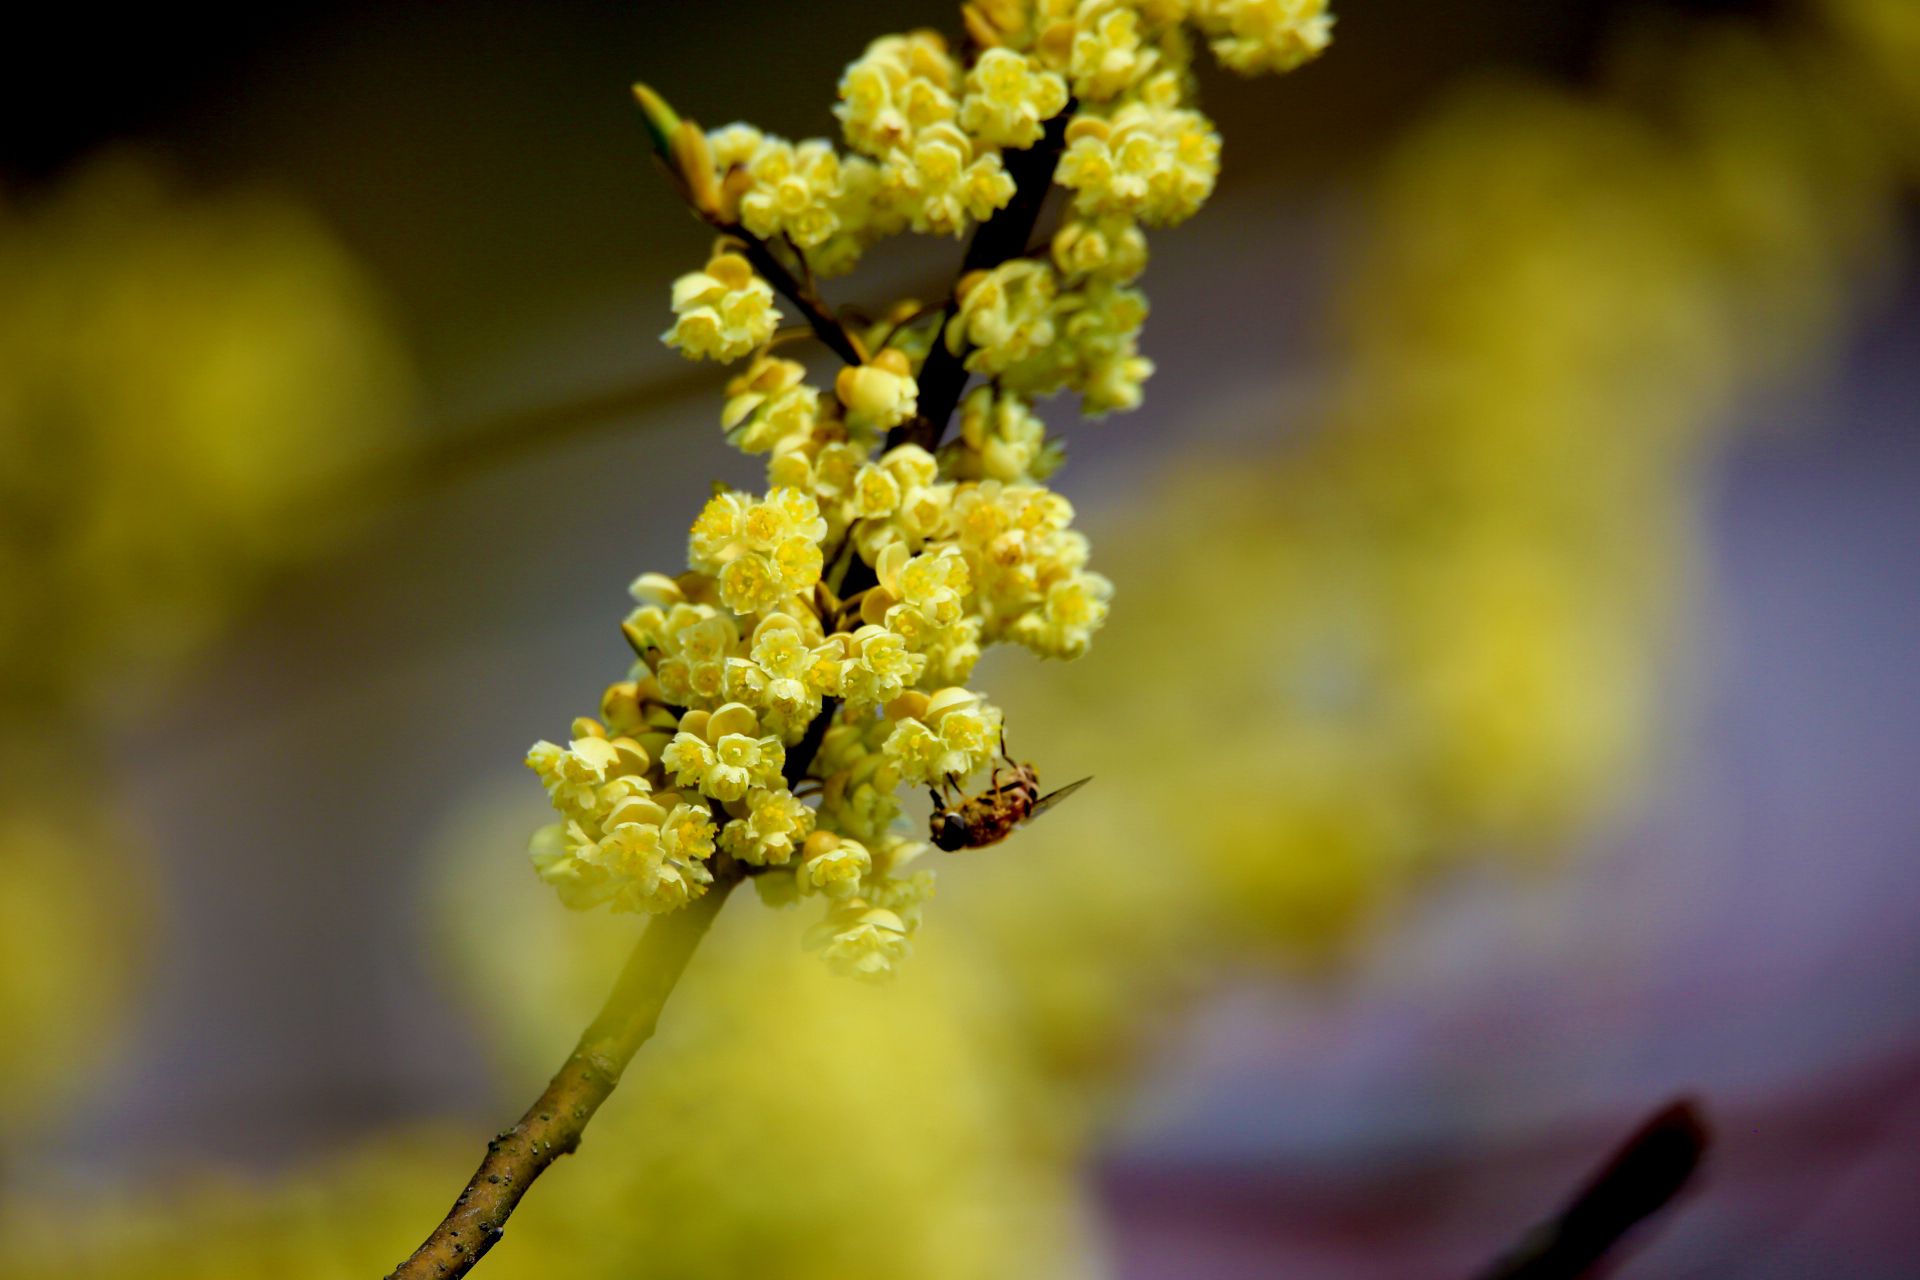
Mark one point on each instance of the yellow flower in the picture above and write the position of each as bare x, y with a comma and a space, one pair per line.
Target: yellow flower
1002, 439
906, 481
943, 183
787, 674
833, 865
864, 212
876, 493
901, 86
1072, 610
735, 144
862, 941
1108, 55
1018, 548
878, 668
771, 832
1111, 247
912, 466
724, 754
761, 552
1150, 161
1095, 350
934, 583
768, 404
686, 647
952, 736
1005, 315
575, 775
880, 393
1009, 98
793, 192
722, 312
617, 843
1252, 36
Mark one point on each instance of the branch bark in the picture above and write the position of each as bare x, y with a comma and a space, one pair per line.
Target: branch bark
1004, 236
943, 375
554, 1124
819, 317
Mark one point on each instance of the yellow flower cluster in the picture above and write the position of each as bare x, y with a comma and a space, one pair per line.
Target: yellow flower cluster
879, 394
1002, 439
1149, 159
794, 191
760, 552
1110, 247
1005, 316
814, 659
902, 103
723, 311
620, 841
1010, 99
1264, 35
769, 403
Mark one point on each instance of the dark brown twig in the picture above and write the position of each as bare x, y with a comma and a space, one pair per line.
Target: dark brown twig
999, 239
1639, 1180
943, 375
818, 315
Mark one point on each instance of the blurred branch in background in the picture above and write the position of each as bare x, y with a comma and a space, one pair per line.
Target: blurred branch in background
1639, 1180
456, 451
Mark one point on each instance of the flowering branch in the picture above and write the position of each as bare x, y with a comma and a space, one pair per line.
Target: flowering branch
688, 158
1001, 238
819, 316
554, 1124
772, 719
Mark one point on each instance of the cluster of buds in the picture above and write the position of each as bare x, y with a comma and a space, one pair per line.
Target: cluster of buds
814, 660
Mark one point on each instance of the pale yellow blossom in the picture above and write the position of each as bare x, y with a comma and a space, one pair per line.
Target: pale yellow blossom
722, 312
1005, 315
1252, 36
1009, 98
1148, 161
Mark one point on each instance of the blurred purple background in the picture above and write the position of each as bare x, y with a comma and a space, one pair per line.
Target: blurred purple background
1753, 938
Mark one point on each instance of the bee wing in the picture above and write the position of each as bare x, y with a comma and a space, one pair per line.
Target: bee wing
1053, 798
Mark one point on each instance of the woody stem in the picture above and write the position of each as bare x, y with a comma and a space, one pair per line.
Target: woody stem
555, 1123
818, 315
999, 239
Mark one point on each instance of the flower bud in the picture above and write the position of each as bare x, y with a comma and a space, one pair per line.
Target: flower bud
661, 118
910, 705
734, 717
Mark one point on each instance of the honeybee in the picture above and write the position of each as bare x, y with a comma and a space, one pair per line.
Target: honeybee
977, 821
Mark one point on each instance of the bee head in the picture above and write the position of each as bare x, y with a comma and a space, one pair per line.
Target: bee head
948, 831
